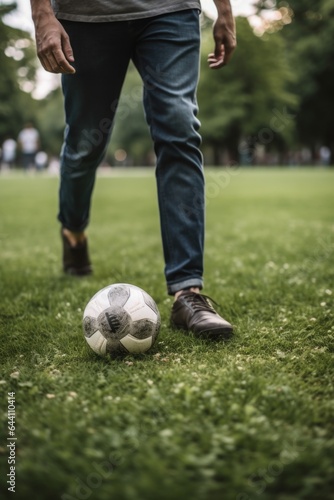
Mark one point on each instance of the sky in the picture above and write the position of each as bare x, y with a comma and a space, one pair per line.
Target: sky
21, 18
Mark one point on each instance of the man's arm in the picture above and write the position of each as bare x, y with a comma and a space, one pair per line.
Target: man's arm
224, 35
53, 45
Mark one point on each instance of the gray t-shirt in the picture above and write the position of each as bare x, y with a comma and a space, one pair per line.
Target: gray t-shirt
95, 11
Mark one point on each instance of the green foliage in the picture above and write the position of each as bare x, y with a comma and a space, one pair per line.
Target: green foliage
250, 419
18, 66
131, 131
309, 38
50, 118
312, 32
242, 99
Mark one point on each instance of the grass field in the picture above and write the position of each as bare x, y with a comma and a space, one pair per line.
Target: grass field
249, 419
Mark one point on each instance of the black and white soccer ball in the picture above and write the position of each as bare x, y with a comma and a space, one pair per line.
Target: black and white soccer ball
120, 319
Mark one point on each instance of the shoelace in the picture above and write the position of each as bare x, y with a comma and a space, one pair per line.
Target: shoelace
200, 302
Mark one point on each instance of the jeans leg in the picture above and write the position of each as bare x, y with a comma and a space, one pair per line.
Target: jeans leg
167, 57
102, 52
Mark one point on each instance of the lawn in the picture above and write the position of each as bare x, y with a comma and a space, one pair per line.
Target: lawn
248, 419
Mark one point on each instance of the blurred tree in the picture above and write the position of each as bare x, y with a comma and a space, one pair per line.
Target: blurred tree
131, 132
309, 31
18, 67
50, 119
246, 104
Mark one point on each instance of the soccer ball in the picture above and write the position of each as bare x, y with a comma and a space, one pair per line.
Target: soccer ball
120, 319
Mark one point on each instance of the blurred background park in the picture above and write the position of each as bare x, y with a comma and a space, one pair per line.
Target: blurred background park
273, 105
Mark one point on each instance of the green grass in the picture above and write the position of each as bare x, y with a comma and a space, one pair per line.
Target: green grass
248, 419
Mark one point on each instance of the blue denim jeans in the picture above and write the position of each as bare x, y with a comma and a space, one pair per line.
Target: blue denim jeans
165, 51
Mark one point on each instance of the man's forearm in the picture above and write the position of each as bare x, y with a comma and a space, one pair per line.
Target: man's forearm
52, 42
223, 7
40, 8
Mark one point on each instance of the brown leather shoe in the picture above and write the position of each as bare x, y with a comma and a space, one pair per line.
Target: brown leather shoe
194, 312
76, 259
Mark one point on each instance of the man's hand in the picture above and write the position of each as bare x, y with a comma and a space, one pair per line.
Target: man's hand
224, 36
53, 44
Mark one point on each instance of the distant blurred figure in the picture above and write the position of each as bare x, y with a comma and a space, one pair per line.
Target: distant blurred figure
8, 154
41, 161
54, 166
325, 155
28, 141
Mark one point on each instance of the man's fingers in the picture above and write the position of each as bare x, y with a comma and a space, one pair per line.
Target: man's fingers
55, 62
47, 62
52, 65
221, 56
62, 63
67, 49
216, 62
228, 54
219, 48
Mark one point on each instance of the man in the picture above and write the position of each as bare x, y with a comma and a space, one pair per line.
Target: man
8, 153
91, 43
28, 141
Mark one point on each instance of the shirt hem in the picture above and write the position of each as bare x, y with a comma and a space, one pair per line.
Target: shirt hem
122, 17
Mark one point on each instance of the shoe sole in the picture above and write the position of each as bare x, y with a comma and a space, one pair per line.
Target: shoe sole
84, 271
217, 334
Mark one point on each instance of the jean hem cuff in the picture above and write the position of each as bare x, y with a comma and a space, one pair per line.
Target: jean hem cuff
192, 282
72, 228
